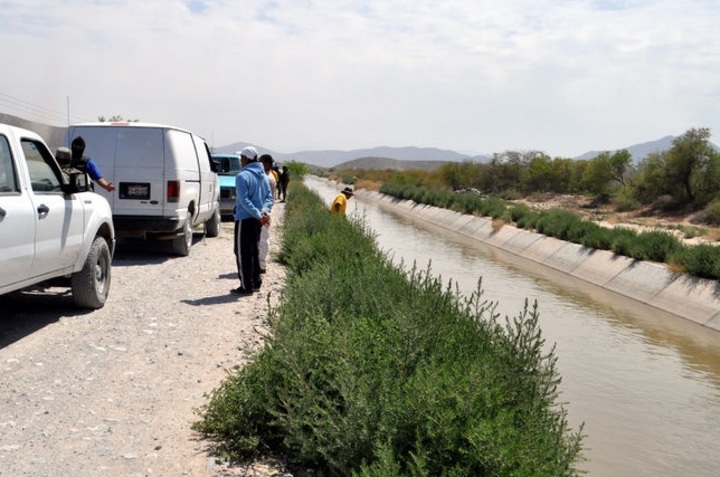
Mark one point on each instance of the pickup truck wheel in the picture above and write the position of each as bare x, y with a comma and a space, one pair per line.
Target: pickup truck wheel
90, 286
181, 245
212, 226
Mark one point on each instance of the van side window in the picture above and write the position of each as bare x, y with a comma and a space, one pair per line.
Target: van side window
205, 156
43, 176
183, 150
8, 178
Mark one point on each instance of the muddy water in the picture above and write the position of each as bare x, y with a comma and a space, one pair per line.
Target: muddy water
645, 383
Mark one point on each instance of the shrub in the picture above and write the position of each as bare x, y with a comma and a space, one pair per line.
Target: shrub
557, 223
654, 245
491, 207
712, 211
700, 260
466, 202
528, 219
600, 238
518, 211
578, 230
622, 241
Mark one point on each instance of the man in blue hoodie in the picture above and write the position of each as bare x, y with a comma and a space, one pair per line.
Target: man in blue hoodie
253, 202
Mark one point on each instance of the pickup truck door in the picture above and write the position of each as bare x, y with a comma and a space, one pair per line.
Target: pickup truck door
59, 218
17, 224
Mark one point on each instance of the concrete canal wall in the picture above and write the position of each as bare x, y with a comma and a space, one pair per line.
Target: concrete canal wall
691, 298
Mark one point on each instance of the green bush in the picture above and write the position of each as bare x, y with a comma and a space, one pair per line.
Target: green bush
600, 238
525, 219
713, 212
466, 202
519, 211
557, 223
700, 260
491, 207
578, 230
622, 241
375, 371
654, 245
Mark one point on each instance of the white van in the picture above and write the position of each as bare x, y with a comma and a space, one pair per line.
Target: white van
164, 177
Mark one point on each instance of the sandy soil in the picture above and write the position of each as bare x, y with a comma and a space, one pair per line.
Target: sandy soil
113, 392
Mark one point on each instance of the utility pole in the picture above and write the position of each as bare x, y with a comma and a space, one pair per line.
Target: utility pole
68, 110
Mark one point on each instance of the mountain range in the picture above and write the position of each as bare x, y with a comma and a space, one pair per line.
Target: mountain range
398, 158
421, 156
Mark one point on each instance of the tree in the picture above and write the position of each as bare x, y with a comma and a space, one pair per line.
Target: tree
688, 158
538, 174
604, 169
298, 169
652, 179
620, 163
116, 119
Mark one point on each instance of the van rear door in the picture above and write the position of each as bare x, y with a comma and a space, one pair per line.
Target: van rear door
139, 175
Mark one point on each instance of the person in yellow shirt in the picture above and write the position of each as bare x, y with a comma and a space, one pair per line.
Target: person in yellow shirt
276, 176
339, 205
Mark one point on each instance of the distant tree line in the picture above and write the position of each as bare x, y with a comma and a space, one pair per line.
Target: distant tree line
116, 119
685, 177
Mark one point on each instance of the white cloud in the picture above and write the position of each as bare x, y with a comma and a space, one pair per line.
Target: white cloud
562, 76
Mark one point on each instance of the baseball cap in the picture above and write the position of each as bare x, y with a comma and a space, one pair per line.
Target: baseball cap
249, 152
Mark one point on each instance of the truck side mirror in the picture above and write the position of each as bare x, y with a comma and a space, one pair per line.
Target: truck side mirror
77, 182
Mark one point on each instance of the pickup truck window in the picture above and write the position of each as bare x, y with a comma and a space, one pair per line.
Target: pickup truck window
8, 180
42, 175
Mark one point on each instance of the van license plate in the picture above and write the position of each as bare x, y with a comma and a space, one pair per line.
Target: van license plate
134, 191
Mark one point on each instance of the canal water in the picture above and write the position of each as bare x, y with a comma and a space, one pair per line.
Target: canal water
646, 384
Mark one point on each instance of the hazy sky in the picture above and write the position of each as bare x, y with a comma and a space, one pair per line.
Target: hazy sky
475, 76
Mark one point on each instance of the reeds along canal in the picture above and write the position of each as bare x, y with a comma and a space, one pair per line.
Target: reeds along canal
646, 384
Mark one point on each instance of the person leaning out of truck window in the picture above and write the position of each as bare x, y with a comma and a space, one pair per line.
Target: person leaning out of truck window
77, 148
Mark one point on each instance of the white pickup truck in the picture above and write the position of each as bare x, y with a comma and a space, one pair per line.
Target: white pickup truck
53, 228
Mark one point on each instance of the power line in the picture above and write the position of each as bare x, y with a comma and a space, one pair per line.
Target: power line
27, 108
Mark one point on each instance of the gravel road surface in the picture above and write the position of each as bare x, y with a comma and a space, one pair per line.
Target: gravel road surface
113, 392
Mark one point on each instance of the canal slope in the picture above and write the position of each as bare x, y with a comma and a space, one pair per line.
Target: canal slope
653, 284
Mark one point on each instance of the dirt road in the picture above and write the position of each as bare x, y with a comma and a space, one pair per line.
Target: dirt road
113, 392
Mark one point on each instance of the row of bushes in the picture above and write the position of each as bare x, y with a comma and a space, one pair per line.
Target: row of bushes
372, 371
698, 260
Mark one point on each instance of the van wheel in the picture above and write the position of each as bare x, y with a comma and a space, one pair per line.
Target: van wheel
212, 226
181, 245
90, 286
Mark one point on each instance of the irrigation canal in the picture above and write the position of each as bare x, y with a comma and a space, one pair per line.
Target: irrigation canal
646, 384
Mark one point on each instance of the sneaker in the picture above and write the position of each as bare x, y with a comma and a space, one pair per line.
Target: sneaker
241, 291
262, 270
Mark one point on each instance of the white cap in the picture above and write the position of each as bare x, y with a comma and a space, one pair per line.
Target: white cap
249, 152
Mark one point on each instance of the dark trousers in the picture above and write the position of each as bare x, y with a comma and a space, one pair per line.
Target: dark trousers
247, 254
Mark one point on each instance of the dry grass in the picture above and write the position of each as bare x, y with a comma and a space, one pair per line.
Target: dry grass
372, 186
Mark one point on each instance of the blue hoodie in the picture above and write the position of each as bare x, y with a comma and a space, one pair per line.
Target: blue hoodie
253, 192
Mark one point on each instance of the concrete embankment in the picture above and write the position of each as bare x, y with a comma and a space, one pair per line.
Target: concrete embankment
653, 284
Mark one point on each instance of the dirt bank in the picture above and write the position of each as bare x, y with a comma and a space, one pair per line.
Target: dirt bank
113, 392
